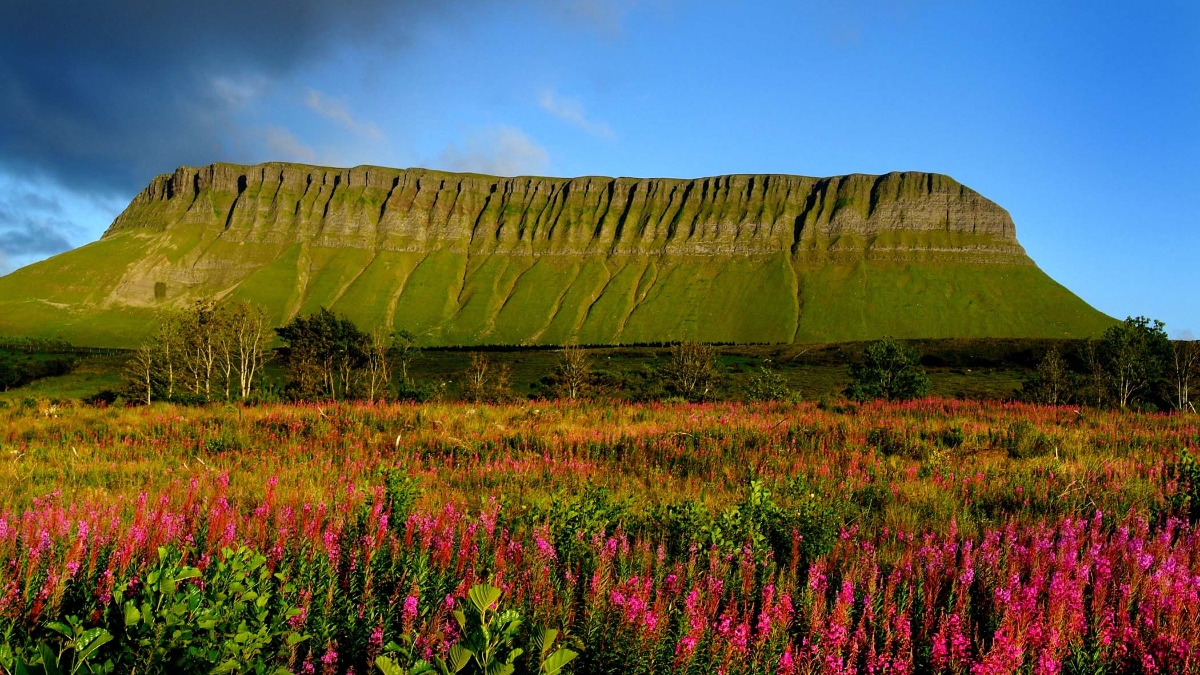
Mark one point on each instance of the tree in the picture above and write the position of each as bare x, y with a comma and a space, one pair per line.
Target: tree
1135, 354
486, 381
767, 384
1184, 371
324, 356
693, 371
377, 370
890, 372
1051, 385
166, 342
573, 377
245, 343
199, 330
404, 351
142, 372
1095, 390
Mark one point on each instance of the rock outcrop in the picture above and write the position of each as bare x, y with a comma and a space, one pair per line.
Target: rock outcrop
414, 209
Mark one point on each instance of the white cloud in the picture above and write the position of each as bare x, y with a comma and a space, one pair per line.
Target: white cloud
499, 151
336, 111
283, 146
236, 93
571, 110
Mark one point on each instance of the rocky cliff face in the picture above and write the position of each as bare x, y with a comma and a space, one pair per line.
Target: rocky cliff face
417, 209
465, 259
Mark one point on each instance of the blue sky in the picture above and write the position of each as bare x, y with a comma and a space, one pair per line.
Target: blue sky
1081, 118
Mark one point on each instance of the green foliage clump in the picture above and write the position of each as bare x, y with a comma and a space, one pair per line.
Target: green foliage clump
487, 646
1186, 498
230, 618
1135, 354
890, 372
1023, 440
767, 384
1052, 383
892, 443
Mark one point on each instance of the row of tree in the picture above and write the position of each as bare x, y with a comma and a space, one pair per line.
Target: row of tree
327, 357
206, 352
1133, 364
218, 351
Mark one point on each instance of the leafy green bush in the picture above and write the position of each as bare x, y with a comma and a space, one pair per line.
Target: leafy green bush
1023, 440
767, 385
487, 646
235, 622
1186, 498
892, 443
888, 372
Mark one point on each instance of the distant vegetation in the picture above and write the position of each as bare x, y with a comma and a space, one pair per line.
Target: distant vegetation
223, 352
1134, 365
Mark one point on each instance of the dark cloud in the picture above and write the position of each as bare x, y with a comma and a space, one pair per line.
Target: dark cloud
34, 224
29, 236
99, 96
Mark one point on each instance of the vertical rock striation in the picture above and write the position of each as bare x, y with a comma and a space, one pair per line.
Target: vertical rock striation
473, 259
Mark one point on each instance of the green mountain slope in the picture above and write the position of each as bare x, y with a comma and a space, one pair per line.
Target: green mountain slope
465, 259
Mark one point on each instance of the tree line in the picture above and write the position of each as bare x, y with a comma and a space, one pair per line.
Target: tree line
209, 351
219, 351
1133, 365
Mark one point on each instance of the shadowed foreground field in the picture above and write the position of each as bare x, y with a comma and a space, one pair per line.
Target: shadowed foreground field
935, 536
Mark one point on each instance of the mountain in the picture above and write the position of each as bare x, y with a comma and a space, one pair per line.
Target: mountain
465, 259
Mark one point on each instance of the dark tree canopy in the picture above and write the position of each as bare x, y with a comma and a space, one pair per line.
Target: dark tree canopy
1135, 354
889, 372
323, 356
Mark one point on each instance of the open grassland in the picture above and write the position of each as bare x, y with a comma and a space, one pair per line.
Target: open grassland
930, 537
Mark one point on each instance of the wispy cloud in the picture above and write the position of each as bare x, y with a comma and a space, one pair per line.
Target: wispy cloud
236, 93
282, 144
500, 151
571, 110
336, 111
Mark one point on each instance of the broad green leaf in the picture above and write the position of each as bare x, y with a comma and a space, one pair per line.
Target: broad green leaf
557, 660
132, 615
459, 657
102, 638
49, 660
385, 664
187, 573
483, 597
545, 641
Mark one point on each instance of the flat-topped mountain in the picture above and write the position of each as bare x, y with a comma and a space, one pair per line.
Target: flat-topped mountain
466, 259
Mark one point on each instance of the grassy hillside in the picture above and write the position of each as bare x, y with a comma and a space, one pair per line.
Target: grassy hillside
472, 260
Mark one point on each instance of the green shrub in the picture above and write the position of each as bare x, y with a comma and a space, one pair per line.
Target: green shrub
1023, 440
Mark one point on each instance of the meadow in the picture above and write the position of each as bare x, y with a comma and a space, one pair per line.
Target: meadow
935, 536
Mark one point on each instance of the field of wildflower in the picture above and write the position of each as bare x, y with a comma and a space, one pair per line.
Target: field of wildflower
935, 536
